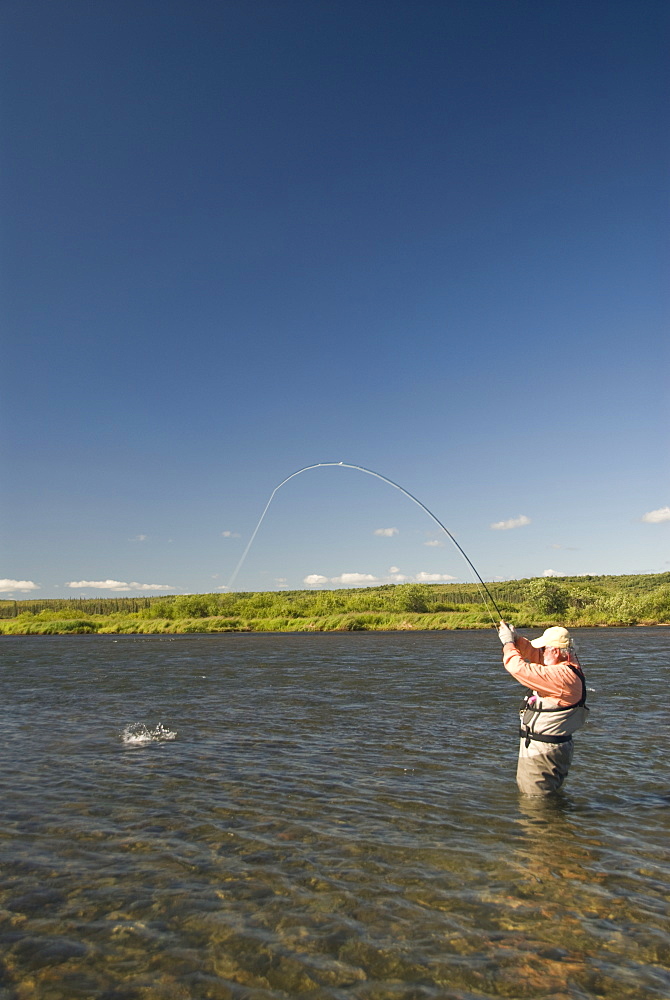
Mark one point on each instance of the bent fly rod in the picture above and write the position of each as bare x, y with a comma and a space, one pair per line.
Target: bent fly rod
384, 479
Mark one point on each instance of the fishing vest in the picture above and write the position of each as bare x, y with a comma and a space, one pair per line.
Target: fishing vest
552, 725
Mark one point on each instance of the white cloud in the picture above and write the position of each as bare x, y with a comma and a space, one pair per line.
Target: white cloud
230, 534
656, 516
386, 532
354, 578
368, 579
280, 579
138, 538
552, 572
347, 579
12, 585
513, 522
395, 575
424, 577
434, 543
116, 585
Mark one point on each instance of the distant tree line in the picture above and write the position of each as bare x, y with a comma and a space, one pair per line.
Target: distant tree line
89, 606
579, 600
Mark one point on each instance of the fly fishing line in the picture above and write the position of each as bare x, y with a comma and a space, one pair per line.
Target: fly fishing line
483, 589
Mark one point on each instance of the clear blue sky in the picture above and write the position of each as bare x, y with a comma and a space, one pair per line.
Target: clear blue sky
244, 237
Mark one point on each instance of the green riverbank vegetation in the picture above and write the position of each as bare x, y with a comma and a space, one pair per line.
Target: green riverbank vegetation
533, 603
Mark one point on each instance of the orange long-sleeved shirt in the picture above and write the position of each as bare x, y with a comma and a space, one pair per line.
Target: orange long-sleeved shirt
524, 662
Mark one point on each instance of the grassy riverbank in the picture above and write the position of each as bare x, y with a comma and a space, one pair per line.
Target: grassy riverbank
532, 603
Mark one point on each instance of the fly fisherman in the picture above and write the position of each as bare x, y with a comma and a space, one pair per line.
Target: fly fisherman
553, 708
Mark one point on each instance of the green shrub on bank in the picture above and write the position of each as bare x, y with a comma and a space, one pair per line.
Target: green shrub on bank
72, 626
655, 607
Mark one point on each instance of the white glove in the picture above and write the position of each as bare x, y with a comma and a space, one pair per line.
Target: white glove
506, 633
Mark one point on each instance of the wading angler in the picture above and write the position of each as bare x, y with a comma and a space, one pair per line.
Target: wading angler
553, 708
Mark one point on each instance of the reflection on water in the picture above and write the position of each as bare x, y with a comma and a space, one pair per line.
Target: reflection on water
327, 816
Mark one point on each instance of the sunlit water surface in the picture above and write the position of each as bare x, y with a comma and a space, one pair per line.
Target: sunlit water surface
325, 816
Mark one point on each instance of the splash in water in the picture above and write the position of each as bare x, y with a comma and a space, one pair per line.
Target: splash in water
138, 734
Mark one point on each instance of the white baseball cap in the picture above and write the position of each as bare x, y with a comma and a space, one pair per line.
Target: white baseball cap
555, 637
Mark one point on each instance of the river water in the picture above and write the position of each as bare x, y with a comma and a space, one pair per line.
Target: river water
326, 816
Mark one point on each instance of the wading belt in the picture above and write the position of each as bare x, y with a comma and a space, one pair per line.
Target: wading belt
527, 735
